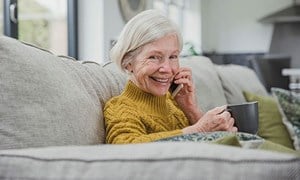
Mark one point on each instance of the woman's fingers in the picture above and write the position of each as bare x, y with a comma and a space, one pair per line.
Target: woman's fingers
218, 110
225, 115
217, 119
234, 129
188, 85
222, 121
184, 73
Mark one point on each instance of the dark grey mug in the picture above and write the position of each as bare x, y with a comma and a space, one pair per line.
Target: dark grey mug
245, 115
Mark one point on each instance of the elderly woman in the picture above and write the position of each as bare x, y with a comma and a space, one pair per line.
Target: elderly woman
148, 50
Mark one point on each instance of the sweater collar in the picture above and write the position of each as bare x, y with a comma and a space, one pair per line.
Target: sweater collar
147, 101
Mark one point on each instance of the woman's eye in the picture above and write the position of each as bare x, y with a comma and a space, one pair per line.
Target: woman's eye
155, 57
173, 57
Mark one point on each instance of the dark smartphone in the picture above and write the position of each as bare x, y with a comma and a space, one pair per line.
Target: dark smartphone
175, 88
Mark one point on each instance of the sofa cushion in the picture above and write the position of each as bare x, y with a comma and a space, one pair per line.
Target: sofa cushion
240, 139
208, 85
236, 79
270, 120
46, 100
116, 77
164, 160
289, 105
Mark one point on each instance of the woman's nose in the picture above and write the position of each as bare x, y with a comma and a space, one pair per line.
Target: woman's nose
165, 66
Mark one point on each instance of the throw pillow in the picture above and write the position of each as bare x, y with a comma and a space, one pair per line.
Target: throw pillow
289, 104
239, 139
270, 120
233, 82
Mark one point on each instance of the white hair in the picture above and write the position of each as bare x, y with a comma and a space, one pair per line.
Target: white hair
142, 29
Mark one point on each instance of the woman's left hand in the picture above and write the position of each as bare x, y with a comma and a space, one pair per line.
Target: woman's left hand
186, 97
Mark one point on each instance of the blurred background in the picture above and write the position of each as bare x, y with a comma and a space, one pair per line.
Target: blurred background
227, 31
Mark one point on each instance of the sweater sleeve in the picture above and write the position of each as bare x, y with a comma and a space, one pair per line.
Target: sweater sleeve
123, 127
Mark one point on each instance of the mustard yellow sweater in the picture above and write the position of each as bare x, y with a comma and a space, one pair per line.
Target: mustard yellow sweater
136, 117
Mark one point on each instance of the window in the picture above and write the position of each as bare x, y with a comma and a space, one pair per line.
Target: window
51, 25
44, 23
186, 13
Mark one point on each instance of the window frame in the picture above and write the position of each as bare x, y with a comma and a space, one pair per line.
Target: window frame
10, 24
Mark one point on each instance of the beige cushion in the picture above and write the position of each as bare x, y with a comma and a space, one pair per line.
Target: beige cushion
116, 78
46, 100
236, 79
208, 85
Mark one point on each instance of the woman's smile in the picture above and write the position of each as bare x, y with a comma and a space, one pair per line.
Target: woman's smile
161, 80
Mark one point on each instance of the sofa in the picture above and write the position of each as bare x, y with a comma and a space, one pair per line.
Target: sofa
52, 126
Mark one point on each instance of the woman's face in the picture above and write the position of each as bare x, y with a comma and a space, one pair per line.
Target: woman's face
154, 68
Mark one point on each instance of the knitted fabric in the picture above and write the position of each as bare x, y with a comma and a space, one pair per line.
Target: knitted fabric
136, 117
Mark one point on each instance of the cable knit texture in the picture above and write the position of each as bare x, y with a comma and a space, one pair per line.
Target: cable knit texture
136, 117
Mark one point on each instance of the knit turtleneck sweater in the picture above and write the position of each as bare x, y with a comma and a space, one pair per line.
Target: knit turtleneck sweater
136, 117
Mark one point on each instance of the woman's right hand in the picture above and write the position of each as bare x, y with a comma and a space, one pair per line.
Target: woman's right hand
216, 119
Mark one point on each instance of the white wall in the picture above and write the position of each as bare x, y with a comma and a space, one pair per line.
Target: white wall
231, 26
188, 17
191, 29
228, 26
100, 22
90, 30
113, 24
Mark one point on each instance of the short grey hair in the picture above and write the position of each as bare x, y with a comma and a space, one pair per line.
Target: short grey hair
142, 29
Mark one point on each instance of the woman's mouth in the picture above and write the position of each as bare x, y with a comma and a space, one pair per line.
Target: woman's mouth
160, 80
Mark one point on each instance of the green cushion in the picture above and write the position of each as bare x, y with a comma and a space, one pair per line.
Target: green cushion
239, 139
230, 140
270, 120
268, 145
289, 104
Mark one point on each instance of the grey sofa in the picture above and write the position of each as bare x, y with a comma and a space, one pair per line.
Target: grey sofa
51, 123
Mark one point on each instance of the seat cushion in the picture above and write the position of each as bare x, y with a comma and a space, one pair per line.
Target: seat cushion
161, 160
46, 100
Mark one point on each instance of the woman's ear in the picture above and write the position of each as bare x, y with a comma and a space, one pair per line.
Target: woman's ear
129, 68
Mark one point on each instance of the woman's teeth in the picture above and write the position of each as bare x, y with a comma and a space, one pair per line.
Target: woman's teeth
161, 80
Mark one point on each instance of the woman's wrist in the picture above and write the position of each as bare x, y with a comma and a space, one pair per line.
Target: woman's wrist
192, 129
193, 115
188, 130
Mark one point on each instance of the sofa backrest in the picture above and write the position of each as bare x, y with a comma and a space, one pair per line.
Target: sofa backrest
46, 100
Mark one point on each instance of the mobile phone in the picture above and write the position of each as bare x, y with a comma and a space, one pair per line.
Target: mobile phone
175, 88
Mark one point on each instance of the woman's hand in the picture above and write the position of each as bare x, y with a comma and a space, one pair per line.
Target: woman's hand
217, 119
186, 97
